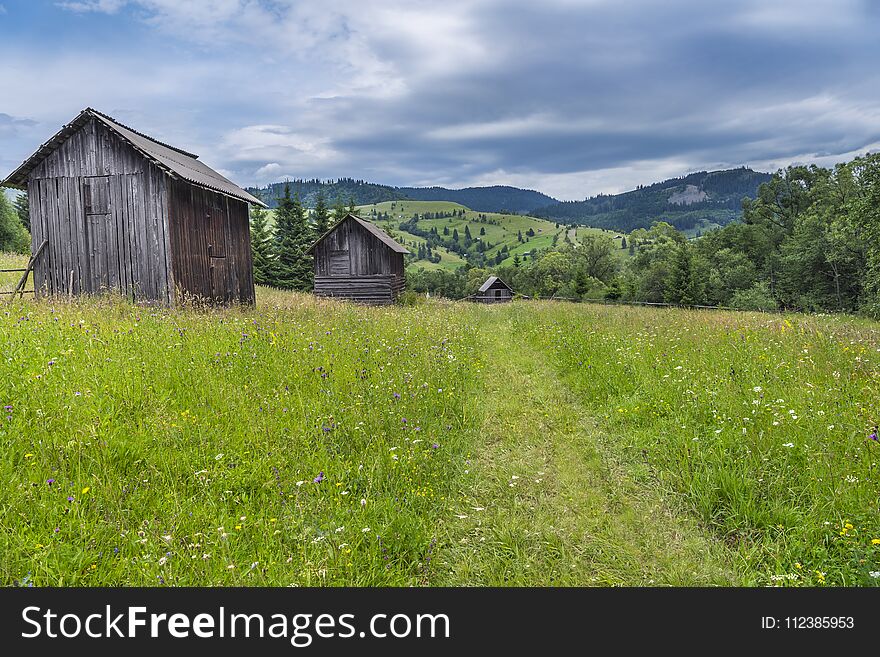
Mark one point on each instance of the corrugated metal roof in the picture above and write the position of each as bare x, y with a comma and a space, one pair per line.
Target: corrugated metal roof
491, 281
373, 229
175, 161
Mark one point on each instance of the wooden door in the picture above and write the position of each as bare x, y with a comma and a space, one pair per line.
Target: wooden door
218, 265
340, 255
100, 236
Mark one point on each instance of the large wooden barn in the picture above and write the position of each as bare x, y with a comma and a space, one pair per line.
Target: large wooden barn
357, 260
114, 209
494, 290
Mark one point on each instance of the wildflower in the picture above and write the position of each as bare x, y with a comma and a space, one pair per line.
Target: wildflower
875, 541
50, 481
70, 498
365, 530
27, 456
363, 501
319, 478
873, 435
875, 574
396, 395
435, 446
300, 483
86, 490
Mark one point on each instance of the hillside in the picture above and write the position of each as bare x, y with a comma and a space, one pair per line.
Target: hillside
698, 201
495, 238
497, 198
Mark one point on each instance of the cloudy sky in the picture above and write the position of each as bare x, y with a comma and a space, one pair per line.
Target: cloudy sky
570, 97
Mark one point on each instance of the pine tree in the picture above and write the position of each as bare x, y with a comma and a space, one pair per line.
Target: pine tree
339, 211
482, 230
265, 264
321, 214
293, 237
22, 207
516, 260
622, 242
455, 234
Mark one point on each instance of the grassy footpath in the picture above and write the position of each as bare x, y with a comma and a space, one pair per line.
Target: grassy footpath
550, 503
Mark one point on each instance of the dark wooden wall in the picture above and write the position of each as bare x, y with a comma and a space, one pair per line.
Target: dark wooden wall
211, 244
352, 263
103, 210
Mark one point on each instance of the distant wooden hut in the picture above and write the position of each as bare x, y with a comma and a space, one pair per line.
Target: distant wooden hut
494, 290
357, 260
118, 210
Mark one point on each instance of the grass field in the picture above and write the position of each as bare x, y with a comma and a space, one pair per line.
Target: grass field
307, 442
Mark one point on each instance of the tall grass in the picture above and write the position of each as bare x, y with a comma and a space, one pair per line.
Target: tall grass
310, 444
764, 427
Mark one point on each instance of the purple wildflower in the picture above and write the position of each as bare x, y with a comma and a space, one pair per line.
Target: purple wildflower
8, 407
404, 420
70, 498
435, 446
51, 362
319, 478
397, 395
50, 481
873, 435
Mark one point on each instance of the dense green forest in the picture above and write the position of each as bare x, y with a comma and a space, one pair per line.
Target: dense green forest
689, 202
497, 198
347, 191
809, 241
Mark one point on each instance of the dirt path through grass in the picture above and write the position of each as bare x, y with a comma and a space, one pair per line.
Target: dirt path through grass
550, 506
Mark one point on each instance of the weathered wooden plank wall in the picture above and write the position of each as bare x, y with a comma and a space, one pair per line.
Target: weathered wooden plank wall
104, 210
352, 263
209, 241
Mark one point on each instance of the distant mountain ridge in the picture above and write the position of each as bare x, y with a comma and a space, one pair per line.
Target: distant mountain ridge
495, 198
694, 201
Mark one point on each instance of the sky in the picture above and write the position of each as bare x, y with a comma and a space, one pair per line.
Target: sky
569, 97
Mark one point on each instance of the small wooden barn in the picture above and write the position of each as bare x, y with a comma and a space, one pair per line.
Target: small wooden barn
114, 209
357, 260
494, 290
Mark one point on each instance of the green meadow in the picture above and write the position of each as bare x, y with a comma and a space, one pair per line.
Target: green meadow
313, 442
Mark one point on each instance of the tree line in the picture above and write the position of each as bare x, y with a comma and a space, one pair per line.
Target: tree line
808, 241
280, 253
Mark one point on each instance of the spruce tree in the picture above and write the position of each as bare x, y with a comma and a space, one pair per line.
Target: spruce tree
339, 211
262, 248
293, 237
321, 214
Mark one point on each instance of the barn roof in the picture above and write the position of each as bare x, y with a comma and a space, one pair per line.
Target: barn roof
371, 228
175, 161
491, 281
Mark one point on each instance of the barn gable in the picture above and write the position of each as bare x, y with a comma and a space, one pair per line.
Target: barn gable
355, 259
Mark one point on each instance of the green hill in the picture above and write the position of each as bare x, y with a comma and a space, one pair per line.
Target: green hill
496, 198
420, 223
698, 201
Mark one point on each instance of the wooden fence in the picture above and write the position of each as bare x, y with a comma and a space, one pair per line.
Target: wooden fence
19, 287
